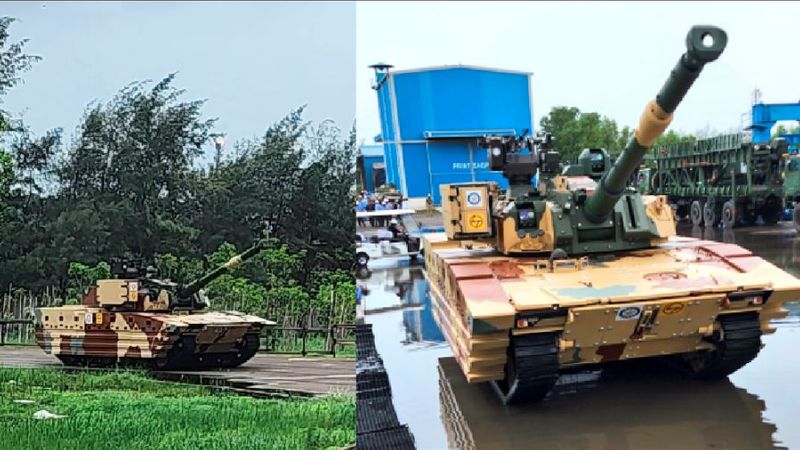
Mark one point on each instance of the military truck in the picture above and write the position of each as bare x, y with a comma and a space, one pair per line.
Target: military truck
139, 320
791, 187
723, 179
578, 274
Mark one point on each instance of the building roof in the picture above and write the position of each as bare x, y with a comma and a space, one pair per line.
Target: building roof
371, 150
460, 66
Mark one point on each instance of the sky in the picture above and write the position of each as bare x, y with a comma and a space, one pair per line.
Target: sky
253, 62
605, 57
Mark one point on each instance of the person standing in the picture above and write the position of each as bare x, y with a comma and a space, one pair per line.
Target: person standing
361, 206
370, 208
379, 207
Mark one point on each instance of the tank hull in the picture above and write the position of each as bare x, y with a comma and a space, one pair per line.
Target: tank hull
673, 299
84, 335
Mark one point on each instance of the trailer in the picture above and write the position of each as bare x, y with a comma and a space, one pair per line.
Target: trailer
724, 179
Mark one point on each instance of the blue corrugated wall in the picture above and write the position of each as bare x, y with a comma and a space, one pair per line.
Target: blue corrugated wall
458, 103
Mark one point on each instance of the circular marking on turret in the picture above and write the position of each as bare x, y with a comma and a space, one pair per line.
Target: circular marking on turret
476, 221
474, 198
629, 313
673, 308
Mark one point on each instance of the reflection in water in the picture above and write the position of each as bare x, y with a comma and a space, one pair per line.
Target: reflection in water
403, 288
631, 410
639, 412
419, 322
728, 236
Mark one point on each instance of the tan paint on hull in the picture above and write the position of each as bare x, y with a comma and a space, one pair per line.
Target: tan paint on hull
704, 273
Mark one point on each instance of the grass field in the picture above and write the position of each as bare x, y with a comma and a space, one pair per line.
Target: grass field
314, 344
127, 410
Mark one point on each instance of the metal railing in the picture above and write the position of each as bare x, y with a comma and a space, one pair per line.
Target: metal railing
5, 323
271, 341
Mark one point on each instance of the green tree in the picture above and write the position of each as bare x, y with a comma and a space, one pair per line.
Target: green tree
779, 130
673, 137
574, 131
13, 62
136, 153
126, 186
7, 178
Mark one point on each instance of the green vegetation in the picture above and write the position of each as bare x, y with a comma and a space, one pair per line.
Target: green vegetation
781, 130
114, 410
131, 184
574, 130
292, 343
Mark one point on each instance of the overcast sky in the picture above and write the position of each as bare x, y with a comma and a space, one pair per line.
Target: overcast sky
609, 58
254, 62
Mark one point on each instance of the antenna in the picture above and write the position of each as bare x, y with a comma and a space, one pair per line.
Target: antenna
756, 96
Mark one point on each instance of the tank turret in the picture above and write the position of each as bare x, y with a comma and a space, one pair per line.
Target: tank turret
592, 162
137, 288
585, 208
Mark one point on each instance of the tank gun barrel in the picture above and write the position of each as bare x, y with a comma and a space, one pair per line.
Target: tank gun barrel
704, 44
187, 290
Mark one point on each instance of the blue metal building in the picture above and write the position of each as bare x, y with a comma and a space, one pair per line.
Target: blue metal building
431, 119
371, 166
765, 116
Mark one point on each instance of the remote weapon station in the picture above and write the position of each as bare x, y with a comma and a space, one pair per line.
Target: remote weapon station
137, 319
583, 271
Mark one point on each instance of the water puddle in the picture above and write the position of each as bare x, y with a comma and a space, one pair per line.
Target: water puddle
627, 408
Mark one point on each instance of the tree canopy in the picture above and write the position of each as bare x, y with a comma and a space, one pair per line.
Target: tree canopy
127, 185
574, 131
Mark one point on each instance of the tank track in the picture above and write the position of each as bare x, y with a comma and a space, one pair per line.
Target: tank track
181, 356
737, 344
531, 369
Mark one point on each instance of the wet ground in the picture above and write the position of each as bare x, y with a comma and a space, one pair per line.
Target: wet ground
263, 376
630, 408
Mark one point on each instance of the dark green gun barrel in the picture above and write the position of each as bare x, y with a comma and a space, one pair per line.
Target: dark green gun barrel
704, 44
187, 290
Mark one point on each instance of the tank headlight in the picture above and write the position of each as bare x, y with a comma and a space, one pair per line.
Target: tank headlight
496, 151
755, 300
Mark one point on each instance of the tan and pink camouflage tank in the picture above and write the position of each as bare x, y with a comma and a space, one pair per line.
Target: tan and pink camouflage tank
141, 321
583, 271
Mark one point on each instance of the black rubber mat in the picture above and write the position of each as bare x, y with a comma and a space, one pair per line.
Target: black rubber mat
375, 414
398, 438
377, 426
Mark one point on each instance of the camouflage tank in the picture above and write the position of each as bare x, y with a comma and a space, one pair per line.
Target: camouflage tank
579, 273
138, 320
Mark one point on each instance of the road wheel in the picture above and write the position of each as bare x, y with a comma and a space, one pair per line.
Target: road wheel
771, 211
737, 343
729, 214
710, 214
748, 214
696, 213
362, 259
